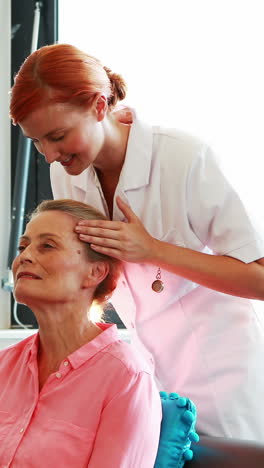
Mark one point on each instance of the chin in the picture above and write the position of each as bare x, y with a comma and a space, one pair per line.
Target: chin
76, 168
22, 298
73, 171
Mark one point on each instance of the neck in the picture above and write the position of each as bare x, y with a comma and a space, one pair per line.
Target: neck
63, 330
111, 159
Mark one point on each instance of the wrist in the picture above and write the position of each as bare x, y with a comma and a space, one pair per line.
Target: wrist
155, 251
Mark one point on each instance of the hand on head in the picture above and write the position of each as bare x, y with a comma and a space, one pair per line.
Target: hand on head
128, 241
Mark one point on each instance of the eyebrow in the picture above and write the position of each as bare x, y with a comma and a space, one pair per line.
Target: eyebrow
44, 234
47, 134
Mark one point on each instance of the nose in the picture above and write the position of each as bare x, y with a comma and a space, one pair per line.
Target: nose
50, 158
23, 258
26, 256
49, 152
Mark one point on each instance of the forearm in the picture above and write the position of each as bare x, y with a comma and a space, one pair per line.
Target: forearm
221, 273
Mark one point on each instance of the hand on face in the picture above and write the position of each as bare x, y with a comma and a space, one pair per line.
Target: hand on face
128, 241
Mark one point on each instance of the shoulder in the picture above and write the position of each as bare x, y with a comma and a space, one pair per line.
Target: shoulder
127, 358
177, 137
13, 352
182, 145
166, 148
179, 154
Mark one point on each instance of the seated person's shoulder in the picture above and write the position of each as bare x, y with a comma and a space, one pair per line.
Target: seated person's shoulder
14, 351
125, 356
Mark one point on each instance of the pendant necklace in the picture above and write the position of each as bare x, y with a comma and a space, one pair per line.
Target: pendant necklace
157, 285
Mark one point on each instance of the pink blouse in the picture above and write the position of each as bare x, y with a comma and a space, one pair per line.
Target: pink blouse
100, 409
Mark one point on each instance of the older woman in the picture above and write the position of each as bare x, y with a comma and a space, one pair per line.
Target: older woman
72, 395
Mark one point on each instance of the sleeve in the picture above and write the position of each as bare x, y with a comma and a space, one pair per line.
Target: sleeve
216, 213
129, 429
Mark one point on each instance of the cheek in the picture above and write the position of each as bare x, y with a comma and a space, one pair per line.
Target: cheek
15, 265
62, 267
77, 144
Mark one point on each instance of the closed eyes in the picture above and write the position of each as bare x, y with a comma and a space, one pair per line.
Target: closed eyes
57, 138
44, 245
53, 139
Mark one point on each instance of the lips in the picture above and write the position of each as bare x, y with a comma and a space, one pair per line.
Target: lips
27, 274
68, 161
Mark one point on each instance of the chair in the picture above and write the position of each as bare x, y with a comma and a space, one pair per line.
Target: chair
220, 452
180, 445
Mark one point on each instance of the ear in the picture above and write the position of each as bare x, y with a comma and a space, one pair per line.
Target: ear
97, 273
101, 107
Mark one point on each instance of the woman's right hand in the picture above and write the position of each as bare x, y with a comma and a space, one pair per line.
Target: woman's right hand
128, 241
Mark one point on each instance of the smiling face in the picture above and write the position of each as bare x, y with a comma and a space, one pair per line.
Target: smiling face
71, 135
52, 265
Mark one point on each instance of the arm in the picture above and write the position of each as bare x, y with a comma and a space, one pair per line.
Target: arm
132, 243
221, 273
128, 433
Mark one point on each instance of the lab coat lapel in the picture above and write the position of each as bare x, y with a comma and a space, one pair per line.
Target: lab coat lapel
136, 169
135, 173
88, 183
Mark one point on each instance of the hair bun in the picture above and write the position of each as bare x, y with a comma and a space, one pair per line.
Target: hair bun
118, 87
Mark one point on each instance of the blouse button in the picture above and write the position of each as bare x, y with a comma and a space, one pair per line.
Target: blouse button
21, 430
58, 375
66, 363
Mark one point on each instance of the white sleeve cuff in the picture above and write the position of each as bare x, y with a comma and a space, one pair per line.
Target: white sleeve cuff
249, 252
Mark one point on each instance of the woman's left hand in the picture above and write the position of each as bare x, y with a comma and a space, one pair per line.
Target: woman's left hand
128, 241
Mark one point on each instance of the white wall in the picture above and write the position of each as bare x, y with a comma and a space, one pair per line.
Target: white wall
5, 53
193, 65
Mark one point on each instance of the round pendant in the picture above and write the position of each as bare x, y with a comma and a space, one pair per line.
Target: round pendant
157, 286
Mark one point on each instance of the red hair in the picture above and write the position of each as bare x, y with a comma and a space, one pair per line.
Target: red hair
61, 73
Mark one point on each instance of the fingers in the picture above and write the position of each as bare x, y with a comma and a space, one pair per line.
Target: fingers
100, 223
119, 239
100, 241
89, 232
107, 251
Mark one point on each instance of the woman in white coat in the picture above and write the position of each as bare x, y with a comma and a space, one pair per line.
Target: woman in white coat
193, 259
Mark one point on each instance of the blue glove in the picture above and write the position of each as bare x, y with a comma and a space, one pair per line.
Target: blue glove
177, 431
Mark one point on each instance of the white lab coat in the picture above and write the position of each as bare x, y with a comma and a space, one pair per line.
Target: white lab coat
202, 344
